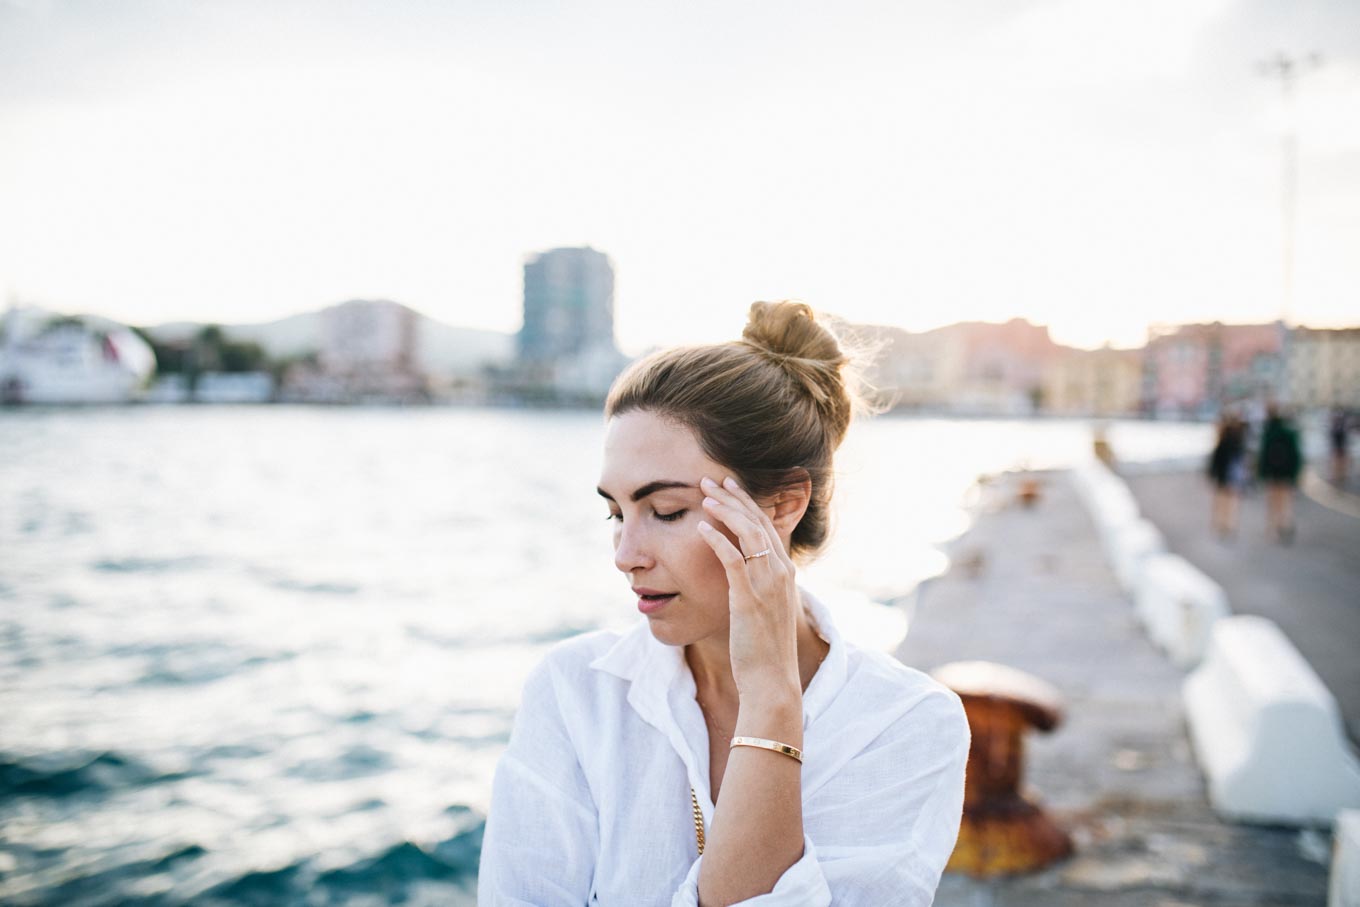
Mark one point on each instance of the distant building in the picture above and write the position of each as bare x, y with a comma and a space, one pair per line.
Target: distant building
916, 371
234, 387
1196, 369
969, 367
567, 342
72, 360
1323, 367
1004, 365
368, 352
363, 336
1103, 382
568, 305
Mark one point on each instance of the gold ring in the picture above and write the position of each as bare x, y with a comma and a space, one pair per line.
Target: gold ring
751, 557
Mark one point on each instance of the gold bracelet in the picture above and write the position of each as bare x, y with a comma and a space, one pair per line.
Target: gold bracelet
774, 745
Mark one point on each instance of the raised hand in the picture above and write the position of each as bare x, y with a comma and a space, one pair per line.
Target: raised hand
763, 594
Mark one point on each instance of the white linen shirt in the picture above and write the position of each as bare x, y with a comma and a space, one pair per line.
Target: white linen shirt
591, 799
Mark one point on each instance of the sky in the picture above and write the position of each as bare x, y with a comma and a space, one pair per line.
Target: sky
1092, 165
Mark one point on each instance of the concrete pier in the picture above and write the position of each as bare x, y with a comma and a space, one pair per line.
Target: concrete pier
1031, 588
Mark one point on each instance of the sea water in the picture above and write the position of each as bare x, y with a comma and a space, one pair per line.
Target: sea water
270, 655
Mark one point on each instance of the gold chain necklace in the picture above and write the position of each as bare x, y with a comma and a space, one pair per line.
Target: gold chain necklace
698, 822
693, 798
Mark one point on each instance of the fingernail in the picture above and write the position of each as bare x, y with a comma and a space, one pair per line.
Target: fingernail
707, 481
710, 502
704, 527
730, 483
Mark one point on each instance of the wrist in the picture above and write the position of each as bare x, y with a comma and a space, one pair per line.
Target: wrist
770, 691
773, 707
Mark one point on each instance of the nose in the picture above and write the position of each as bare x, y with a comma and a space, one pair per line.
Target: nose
631, 548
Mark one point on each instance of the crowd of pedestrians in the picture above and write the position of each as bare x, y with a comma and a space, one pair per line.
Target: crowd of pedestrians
1270, 457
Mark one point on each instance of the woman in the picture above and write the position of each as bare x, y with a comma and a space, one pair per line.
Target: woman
1278, 466
1227, 470
732, 747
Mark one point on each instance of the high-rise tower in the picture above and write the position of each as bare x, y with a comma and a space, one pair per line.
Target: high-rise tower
568, 306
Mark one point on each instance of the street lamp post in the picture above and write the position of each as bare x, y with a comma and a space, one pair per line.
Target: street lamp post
1287, 69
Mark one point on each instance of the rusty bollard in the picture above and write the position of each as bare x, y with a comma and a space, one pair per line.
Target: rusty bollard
1003, 832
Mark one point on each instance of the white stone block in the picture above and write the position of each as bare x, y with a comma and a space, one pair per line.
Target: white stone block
1178, 605
1266, 732
1344, 888
1129, 547
1117, 507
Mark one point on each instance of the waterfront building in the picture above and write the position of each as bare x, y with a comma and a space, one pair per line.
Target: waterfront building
363, 335
567, 342
568, 304
971, 367
1323, 367
1004, 366
368, 351
1103, 382
916, 371
1196, 369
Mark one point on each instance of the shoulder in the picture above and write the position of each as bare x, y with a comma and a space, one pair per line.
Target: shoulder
910, 701
569, 661
562, 691
881, 672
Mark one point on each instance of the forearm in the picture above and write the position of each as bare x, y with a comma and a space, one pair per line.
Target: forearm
757, 829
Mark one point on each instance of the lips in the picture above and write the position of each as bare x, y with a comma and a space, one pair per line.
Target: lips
652, 600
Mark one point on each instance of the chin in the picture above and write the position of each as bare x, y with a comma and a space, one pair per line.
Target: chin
668, 633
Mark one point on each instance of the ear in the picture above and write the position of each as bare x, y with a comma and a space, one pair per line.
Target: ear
789, 504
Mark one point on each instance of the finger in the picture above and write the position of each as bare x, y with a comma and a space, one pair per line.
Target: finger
733, 488
733, 561
750, 536
742, 503
766, 522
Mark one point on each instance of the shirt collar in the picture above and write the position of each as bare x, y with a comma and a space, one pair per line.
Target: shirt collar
654, 668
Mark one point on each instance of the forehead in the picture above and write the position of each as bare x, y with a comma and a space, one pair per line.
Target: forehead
641, 447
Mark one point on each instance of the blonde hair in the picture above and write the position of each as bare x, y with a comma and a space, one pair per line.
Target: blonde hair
772, 407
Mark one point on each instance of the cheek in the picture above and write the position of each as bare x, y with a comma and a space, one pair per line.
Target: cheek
706, 565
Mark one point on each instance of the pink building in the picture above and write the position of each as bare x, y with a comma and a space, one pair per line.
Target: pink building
1194, 369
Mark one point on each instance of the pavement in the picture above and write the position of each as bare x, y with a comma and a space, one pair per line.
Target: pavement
1030, 588
1310, 588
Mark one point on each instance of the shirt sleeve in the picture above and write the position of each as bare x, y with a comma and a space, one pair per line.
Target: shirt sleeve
802, 885
887, 822
542, 832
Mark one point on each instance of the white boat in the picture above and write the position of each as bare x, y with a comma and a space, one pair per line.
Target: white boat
71, 360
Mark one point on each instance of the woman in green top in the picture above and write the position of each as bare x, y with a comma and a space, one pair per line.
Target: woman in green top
1278, 466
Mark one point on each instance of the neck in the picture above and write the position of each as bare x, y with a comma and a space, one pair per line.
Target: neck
710, 661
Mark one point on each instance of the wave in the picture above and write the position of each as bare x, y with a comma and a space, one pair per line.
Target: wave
445, 872
149, 564
405, 872
72, 774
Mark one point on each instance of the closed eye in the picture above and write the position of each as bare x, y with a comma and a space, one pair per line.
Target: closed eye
663, 517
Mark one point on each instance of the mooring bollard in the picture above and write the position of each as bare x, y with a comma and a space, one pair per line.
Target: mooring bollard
1002, 832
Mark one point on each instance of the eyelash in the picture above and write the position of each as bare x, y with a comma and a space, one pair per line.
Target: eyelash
663, 517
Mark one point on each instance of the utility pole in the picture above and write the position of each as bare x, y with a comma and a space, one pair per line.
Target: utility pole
1287, 69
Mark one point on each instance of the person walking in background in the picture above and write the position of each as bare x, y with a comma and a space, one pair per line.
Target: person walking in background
1278, 466
1338, 432
1227, 470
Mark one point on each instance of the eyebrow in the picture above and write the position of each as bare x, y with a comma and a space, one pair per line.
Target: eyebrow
649, 488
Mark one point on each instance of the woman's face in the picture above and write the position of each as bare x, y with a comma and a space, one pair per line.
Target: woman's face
650, 480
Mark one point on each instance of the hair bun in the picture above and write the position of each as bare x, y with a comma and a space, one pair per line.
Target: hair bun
790, 334
791, 329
